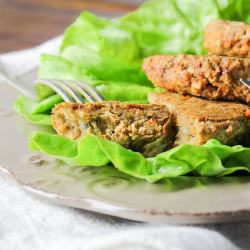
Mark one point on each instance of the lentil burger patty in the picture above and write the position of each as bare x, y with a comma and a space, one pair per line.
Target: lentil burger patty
212, 77
199, 120
147, 128
227, 38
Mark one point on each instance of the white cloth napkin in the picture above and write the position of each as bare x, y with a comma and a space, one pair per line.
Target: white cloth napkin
26, 223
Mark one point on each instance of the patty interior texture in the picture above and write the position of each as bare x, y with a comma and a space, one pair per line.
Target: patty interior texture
148, 129
199, 120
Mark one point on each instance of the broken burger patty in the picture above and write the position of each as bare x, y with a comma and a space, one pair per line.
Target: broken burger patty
199, 120
146, 128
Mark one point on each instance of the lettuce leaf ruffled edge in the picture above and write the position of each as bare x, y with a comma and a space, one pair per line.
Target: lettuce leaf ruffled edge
210, 159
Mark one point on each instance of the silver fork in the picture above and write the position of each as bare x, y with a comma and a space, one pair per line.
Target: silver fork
72, 90
69, 90
245, 82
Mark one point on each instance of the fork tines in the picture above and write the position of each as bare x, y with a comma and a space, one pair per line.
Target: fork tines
73, 90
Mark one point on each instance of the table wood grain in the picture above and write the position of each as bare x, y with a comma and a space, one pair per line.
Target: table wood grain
27, 23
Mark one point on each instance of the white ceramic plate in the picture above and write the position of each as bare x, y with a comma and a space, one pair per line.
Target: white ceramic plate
105, 190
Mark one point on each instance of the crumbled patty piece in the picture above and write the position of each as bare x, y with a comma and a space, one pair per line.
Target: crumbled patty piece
212, 77
227, 38
199, 120
146, 128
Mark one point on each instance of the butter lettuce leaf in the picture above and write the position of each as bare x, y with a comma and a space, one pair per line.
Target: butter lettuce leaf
211, 159
103, 49
37, 112
127, 93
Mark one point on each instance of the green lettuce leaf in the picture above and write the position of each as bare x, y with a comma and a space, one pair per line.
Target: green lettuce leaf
103, 49
126, 93
211, 159
37, 112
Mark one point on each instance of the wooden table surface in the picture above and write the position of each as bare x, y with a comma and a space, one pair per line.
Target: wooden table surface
27, 23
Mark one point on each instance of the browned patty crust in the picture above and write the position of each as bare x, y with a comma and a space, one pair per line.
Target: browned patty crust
199, 120
227, 38
212, 77
147, 128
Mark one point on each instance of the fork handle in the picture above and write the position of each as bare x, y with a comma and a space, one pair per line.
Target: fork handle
12, 82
